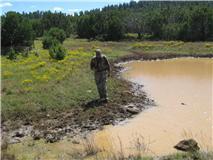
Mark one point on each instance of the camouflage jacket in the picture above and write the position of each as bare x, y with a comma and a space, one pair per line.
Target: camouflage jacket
100, 64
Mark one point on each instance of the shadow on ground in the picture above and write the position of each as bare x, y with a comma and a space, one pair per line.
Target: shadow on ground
93, 103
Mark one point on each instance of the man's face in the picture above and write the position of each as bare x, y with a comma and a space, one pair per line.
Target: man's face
98, 54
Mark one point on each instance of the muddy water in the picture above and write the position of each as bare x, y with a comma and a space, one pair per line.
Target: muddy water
182, 89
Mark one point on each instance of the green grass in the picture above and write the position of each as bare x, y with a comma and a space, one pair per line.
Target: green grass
166, 49
34, 83
38, 83
149, 47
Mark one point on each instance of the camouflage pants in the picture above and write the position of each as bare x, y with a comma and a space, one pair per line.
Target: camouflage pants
100, 79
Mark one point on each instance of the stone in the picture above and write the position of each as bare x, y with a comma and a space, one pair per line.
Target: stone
75, 142
132, 109
127, 93
130, 106
189, 145
91, 117
60, 130
36, 135
68, 129
19, 133
105, 121
51, 138
14, 140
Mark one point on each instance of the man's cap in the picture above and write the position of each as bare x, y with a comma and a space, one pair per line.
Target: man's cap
98, 50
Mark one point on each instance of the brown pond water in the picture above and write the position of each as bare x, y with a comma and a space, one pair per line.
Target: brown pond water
182, 89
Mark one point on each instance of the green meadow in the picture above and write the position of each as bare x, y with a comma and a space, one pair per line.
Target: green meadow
36, 82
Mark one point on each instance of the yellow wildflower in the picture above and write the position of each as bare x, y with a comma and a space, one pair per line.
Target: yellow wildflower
53, 70
27, 81
43, 78
7, 74
142, 45
38, 65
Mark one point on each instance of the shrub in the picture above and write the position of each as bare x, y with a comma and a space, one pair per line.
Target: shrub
53, 37
57, 52
12, 54
57, 33
49, 41
147, 36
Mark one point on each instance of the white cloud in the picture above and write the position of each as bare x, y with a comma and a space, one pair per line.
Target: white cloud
58, 9
5, 4
72, 11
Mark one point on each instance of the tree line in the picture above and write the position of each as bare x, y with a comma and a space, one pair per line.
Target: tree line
158, 20
153, 20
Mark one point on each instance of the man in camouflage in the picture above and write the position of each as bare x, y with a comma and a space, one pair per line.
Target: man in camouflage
100, 65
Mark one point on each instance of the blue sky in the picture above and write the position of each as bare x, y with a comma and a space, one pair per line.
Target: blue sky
66, 6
